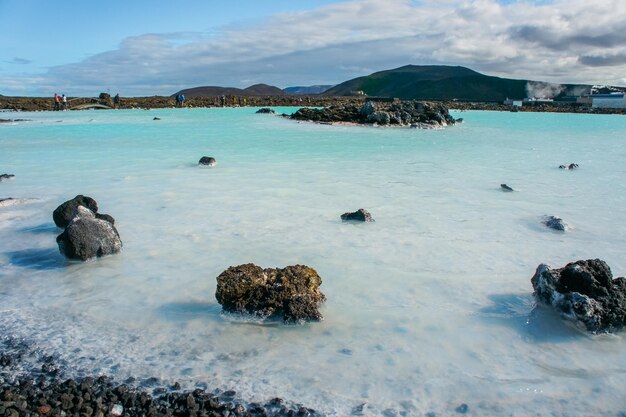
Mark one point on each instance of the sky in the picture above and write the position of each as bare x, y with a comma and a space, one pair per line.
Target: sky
157, 47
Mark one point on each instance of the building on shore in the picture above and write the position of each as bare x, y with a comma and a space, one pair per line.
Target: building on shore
604, 101
513, 102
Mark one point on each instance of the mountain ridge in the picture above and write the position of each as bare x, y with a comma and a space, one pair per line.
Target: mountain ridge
255, 90
418, 82
443, 82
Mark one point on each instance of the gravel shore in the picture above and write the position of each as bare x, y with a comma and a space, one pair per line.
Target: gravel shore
40, 388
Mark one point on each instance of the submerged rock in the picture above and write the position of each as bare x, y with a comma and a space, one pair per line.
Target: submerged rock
6, 177
10, 201
265, 110
207, 160
584, 292
87, 237
505, 187
64, 213
14, 120
361, 215
570, 166
292, 292
555, 223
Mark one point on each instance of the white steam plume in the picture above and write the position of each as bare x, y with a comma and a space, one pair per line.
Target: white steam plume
536, 89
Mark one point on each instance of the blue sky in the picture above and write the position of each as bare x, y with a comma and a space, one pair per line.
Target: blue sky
157, 47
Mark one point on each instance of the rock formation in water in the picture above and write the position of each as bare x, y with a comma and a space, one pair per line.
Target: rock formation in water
87, 237
6, 177
505, 187
584, 292
555, 223
396, 113
265, 110
292, 292
570, 166
207, 160
361, 215
65, 212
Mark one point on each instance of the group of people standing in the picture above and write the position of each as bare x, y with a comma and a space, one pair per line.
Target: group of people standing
60, 102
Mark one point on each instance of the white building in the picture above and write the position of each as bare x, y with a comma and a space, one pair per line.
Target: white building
608, 101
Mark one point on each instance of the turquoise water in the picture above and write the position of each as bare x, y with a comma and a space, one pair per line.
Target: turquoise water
428, 308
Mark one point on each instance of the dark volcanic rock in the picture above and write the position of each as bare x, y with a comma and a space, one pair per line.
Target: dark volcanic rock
505, 187
55, 396
265, 110
207, 160
555, 223
105, 217
394, 113
13, 120
570, 166
64, 213
291, 292
87, 237
6, 177
584, 292
361, 215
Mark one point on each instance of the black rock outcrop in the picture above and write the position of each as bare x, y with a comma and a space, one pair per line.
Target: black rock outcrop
87, 237
6, 177
361, 215
584, 292
505, 187
570, 166
292, 292
207, 160
265, 110
555, 223
396, 113
64, 213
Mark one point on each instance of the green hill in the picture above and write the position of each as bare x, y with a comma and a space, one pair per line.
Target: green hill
436, 82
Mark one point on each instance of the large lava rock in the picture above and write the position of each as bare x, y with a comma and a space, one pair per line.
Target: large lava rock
361, 215
65, 212
292, 292
207, 160
265, 110
584, 292
394, 112
87, 237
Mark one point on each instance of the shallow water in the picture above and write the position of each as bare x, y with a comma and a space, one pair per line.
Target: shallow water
428, 308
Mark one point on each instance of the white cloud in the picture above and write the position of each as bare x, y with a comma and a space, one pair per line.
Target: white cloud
558, 41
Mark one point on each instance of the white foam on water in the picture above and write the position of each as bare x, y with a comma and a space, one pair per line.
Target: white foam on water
428, 307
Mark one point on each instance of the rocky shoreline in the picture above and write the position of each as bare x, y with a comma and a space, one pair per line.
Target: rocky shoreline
157, 102
41, 388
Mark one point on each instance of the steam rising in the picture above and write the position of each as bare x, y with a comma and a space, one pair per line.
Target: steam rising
541, 90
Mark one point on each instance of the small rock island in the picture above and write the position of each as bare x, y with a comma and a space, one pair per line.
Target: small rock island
410, 113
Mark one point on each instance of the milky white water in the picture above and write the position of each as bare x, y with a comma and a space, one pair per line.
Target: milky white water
428, 308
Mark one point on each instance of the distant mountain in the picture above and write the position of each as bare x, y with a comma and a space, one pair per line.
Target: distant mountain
441, 82
312, 89
257, 90
264, 90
